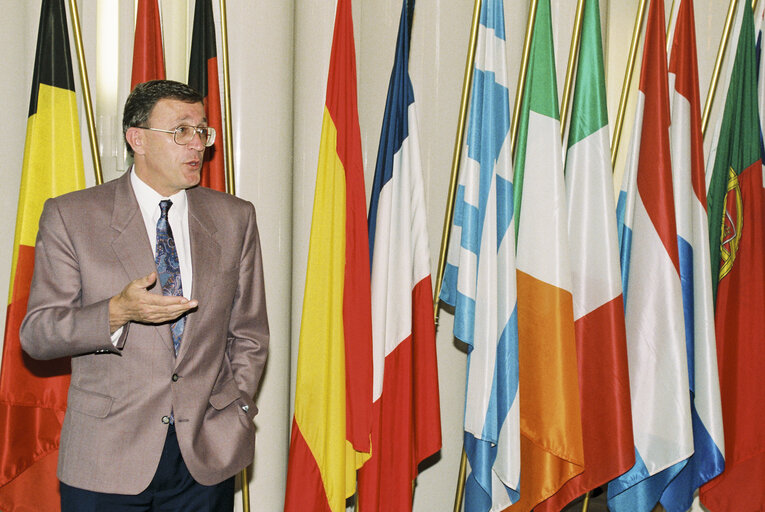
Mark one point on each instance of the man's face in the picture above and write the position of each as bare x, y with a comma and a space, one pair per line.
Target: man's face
165, 166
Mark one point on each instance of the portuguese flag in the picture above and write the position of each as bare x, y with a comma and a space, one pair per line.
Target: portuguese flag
203, 76
737, 240
33, 393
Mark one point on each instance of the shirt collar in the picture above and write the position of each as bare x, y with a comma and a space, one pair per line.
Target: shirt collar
148, 198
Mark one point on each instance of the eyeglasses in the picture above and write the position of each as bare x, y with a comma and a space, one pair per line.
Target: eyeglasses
184, 134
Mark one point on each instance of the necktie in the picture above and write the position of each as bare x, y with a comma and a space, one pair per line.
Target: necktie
168, 268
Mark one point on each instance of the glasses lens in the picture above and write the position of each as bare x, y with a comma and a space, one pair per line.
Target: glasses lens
184, 134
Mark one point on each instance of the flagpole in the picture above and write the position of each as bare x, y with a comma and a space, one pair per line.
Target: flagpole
86, 91
456, 156
718, 64
522, 75
572, 54
627, 81
230, 188
448, 215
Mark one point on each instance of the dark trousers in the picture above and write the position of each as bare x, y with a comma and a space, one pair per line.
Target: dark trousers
171, 490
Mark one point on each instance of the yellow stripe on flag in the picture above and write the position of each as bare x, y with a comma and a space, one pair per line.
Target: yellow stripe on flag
320, 405
47, 172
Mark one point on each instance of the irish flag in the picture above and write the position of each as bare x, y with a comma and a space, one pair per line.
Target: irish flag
333, 397
737, 241
406, 412
601, 345
33, 393
693, 242
551, 427
656, 344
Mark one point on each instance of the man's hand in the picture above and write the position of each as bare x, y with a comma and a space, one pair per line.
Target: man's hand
136, 304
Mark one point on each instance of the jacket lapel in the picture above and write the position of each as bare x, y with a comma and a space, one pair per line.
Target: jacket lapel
132, 245
205, 252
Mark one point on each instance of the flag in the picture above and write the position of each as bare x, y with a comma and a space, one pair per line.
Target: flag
148, 60
551, 426
695, 275
656, 345
479, 279
203, 76
406, 424
33, 393
601, 345
737, 244
331, 427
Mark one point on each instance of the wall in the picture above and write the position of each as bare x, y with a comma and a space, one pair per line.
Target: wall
279, 54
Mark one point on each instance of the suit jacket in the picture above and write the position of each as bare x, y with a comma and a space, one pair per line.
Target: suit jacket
90, 245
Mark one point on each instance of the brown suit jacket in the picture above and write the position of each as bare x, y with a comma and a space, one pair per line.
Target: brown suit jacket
90, 245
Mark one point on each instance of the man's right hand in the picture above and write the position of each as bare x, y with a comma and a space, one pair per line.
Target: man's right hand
136, 304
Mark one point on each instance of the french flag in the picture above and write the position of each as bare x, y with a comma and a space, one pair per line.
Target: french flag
406, 424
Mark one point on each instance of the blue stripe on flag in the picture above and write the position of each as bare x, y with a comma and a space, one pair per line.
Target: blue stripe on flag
636, 490
395, 128
504, 208
493, 17
625, 243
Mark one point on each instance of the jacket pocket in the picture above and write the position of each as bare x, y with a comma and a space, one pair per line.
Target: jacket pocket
89, 402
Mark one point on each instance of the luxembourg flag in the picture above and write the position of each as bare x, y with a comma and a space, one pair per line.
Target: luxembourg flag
479, 281
695, 268
406, 422
656, 346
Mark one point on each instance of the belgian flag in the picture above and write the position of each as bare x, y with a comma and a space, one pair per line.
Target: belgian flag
203, 76
33, 393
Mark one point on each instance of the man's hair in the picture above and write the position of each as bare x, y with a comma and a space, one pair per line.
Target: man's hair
142, 99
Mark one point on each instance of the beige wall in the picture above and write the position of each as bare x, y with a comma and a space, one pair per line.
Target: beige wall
279, 60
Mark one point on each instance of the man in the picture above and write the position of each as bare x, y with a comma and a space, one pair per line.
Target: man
155, 288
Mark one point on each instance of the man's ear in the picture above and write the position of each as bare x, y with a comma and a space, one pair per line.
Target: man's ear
135, 137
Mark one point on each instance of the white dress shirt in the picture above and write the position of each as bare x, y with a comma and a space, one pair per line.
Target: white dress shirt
178, 217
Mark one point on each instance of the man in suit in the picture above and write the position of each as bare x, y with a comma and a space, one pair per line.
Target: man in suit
154, 286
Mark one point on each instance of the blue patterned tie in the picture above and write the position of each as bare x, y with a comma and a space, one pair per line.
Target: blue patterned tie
168, 268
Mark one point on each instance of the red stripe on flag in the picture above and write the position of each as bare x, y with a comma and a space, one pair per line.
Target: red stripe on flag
654, 178
604, 389
684, 67
407, 425
740, 322
148, 58
303, 474
213, 171
357, 301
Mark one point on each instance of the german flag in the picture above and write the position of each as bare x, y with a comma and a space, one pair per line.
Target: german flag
33, 393
203, 76
148, 56
332, 425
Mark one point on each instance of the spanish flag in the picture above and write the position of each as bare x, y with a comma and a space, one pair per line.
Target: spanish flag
33, 393
333, 398
203, 76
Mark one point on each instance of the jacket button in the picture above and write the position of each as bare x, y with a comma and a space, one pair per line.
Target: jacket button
175, 377
165, 419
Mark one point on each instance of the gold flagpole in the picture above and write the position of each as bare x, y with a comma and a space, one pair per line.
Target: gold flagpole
627, 81
572, 55
718, 64
456, 156
230, 188
522, 75
86, 91
243, 475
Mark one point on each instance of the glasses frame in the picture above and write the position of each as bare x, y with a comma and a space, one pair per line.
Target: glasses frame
202, 131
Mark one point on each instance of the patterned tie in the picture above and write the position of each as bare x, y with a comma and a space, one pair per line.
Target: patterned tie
168, 268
